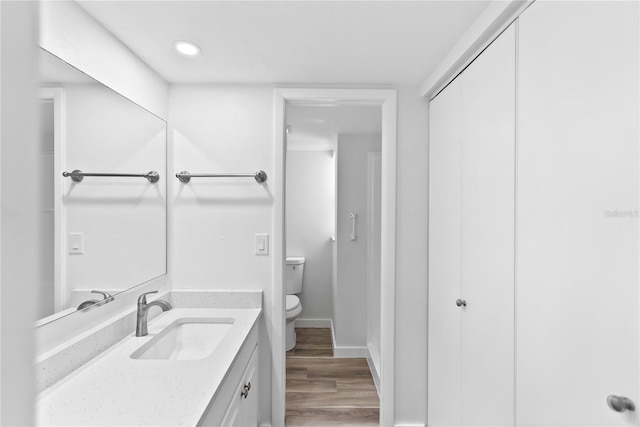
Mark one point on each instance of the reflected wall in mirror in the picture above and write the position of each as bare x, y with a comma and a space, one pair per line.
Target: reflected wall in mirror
104, 234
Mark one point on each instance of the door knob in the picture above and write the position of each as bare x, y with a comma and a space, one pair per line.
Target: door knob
620, 403
461, 303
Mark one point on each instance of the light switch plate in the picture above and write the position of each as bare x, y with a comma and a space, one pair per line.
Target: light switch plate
262, 244
76, 243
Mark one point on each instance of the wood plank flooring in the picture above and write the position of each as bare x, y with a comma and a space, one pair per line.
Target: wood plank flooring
323, 391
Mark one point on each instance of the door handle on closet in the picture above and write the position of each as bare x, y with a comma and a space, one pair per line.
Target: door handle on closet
461, 303
620, 403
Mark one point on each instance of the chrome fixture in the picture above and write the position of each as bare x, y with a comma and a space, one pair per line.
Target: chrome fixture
245, 390
77, 175
106, 298
461, 303
620, 403
185, 177
354, 217
143, 311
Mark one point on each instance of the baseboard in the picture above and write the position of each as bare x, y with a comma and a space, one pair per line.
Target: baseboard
374, 375
409, 425
345, 352
265, 424
333, 334
313, 323
350, 352
374, 372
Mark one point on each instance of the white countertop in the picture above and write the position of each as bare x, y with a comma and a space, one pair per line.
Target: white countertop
115, 390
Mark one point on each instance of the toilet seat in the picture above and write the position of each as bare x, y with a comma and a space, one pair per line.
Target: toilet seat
292, 304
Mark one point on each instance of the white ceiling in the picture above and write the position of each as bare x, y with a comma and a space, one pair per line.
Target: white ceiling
309, 42
316, 127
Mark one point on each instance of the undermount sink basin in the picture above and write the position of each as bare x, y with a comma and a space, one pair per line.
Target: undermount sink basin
185, 339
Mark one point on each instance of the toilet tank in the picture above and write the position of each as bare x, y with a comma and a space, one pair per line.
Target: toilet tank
293, 275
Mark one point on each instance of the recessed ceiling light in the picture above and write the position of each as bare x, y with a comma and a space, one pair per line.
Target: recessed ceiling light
186, 48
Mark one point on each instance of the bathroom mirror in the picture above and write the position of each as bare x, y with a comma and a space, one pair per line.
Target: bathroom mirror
100, 233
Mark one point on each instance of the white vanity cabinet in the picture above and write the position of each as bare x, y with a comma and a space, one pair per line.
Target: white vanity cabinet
176, 390
243, 409
236, 402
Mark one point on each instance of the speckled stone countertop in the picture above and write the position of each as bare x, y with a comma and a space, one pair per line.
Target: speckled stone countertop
115, 390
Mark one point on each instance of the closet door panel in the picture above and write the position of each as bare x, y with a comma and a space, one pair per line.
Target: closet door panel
471, 243
577, 244
445, 133
488, 174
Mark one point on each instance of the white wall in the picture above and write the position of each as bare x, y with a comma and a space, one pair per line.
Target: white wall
350, 301
311, 201
18, 214
70, 33
123, 219
217, 129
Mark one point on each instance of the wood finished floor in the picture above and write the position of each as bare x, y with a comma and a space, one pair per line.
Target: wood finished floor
323, 391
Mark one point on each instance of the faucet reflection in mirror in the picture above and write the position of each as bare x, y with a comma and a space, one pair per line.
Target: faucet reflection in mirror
106, 298
103, 234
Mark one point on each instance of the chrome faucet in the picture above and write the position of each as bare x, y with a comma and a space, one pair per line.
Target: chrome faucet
143, 311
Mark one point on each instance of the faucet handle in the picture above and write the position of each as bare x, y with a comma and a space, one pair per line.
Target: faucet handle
142, 299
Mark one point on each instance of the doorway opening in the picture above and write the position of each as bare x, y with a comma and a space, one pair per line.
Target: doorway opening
332, 273
384, 160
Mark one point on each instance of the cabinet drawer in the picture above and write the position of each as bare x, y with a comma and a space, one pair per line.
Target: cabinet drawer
243, 408
225, 396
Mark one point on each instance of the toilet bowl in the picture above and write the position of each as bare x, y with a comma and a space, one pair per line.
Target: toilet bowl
293, 285
293, 310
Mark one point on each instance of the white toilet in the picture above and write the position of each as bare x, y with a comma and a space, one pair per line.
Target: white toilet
293, 285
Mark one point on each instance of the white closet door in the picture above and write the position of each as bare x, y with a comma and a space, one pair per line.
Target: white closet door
577, 245
445, 133
488, 175
471, 243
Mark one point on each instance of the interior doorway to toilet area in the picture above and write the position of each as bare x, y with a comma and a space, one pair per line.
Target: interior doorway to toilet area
333, 161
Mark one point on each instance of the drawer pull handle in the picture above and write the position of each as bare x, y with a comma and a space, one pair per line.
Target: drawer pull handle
245, 390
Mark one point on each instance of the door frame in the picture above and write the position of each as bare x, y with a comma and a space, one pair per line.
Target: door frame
372, 212
387, 99
56, 96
